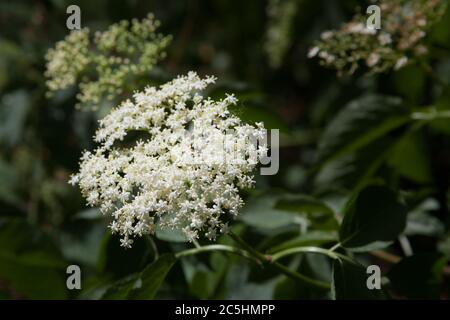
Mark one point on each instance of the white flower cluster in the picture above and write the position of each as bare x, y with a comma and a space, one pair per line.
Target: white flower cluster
107, 64
173, 176
67, 60
399, 41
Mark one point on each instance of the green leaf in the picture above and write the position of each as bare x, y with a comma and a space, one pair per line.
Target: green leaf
252, 106
359, 123
257, 113
302, 204
82, 246
318, 214
312, 265
418, 276
260, 212
411, 147
440, 33
372, 216
30, 264
276, 239
442, 104
350, 282
152, 277
120, 262
143, 285
239, 286
120, 289
355, 169
410, 82
14, 62
421, 221
205, 280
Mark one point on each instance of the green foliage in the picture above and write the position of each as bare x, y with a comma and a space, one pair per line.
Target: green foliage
426, 271
364, 226
411, 147
142, 286
349, 282
29, 264
359, 123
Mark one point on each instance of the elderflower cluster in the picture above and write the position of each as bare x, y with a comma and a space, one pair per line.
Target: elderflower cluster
108, 63
172, 172
404, 24
67, 60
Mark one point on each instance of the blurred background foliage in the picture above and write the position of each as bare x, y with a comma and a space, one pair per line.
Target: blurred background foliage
338, 135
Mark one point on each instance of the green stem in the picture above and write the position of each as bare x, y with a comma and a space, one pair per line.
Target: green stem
216, 247
268, 260
300, 277
153, 245
430, 115
335, 247
327, 252
258, 255
196, 244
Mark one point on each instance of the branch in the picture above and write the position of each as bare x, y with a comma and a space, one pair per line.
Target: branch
268, 260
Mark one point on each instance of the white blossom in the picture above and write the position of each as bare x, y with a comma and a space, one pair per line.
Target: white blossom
373, 59
401, 63
313, 52
185, 174
385, 39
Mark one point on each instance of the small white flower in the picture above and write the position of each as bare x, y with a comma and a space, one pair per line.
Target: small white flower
385, 38
373, 59
313, 52
329, 58
401, 63
354, 27
326, 35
